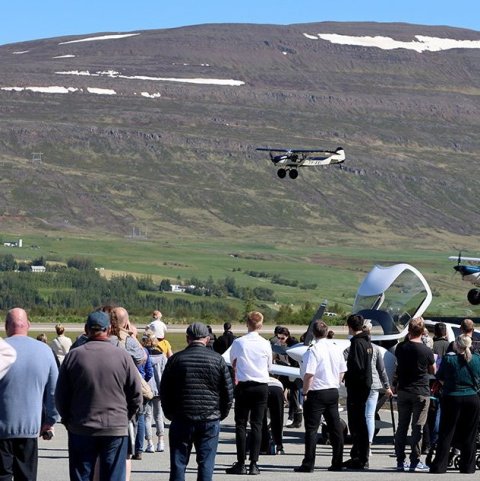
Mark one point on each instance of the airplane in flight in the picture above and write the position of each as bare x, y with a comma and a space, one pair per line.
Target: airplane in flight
290, 160
469, 268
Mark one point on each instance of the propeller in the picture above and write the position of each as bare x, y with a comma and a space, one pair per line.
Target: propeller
318, 315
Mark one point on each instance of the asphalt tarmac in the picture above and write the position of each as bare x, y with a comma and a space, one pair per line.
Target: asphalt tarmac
53, 460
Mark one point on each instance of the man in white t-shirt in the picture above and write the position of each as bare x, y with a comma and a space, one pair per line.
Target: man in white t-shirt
158, 327
251, 357
323, 367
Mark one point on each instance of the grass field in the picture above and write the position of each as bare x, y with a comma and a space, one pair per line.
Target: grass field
336, 270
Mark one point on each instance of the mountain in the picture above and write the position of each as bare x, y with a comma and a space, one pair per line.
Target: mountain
157, 129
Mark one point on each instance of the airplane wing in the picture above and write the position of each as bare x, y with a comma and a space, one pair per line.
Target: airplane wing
268, 149
467, 259
296, 151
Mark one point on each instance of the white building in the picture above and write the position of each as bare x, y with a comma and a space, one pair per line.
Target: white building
38, 268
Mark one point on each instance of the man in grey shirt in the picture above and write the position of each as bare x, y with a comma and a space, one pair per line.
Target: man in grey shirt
98, 391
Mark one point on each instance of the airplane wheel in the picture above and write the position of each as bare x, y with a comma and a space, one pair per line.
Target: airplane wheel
293, 174
473, 297
282, 173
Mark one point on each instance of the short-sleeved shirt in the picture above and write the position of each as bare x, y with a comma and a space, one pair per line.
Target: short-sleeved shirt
253, 356
413, 361
326, 362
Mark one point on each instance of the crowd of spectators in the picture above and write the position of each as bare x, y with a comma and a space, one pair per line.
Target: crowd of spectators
109, 388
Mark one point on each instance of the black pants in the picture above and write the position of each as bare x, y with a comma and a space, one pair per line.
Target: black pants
357, 422
275, 407
250, 402
18, 459
323, 402
459, 416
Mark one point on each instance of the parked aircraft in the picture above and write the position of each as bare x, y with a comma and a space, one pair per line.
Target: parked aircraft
289, 160
470, 272
389, 297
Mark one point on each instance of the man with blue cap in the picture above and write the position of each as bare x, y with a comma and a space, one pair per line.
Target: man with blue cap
98, 391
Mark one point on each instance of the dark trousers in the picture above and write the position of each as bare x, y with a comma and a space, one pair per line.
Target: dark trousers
323, 402
183, 435
18, 459
275, 407
84, 450
459, 416
412, 408
250, 402
357, 422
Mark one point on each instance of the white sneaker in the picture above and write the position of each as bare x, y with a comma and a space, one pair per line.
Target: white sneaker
289, 422
418, 467
150, 447
161, 446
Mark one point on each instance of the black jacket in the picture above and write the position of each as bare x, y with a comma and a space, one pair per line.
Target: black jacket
223, 342
196, 385
359, 363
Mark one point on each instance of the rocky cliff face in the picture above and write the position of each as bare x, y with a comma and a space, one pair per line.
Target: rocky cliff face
160, 128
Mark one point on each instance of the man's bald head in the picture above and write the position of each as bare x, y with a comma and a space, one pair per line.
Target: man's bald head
16, 322
119, 317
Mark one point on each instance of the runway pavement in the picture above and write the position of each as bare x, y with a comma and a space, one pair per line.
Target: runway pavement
53, 460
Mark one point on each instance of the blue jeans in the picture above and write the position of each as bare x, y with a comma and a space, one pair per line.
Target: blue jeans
84, 450
140, 433
182, 436
370, 409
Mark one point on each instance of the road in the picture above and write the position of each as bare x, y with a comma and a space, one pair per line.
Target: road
53, 460
181, 328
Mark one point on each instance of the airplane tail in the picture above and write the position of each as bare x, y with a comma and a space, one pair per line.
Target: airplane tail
341, 156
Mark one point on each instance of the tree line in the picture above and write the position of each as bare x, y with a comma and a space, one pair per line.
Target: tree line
76, 288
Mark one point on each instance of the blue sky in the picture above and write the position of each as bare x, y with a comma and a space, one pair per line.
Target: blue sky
35, 19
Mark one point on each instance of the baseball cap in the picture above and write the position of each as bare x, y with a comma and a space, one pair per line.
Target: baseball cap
197, 330
98, 320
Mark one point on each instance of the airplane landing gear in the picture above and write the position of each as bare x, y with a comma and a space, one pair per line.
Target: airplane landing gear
473, 297
293, 173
